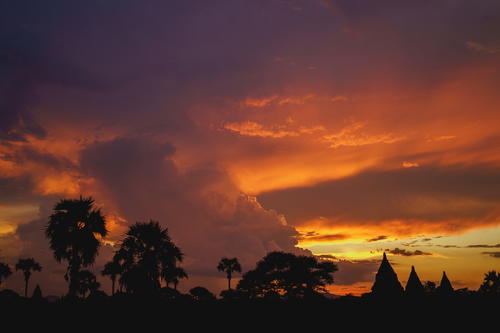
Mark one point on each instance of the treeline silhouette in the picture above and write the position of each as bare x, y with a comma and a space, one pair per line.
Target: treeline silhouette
147, 265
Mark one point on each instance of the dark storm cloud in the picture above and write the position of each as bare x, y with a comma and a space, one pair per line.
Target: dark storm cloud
28, 60
16, 190
153, 57
430, 193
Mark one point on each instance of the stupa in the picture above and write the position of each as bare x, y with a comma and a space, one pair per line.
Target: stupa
414, 287
445, 287
386, 280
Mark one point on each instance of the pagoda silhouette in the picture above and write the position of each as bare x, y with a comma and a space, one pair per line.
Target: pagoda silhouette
386, 280
387, 284
414, 287
445, 287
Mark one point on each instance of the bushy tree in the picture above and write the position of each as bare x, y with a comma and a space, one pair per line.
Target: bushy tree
285, 275
202, 294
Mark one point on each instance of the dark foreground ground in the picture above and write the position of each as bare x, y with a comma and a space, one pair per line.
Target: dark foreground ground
144, 314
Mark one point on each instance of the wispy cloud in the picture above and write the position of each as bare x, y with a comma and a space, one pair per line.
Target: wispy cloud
251, 128
376, 239
483, 48
406, 253
492, 254
352, 136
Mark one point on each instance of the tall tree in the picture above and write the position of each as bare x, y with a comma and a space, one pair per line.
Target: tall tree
5, 272
229, 266
144, 253
75, 230
112, 269
27, 266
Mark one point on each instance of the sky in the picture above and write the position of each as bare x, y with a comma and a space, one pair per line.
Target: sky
339, 128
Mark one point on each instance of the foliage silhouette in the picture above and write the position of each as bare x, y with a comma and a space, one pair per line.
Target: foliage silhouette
202, 294
229, 266
5, 272
491, 283
112, 269
285, 275
74, 230
146, 254
430, 287
173, 274
26, 266
87, 283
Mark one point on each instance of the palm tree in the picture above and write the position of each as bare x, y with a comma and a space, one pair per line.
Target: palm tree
27, 265
75, 230
5, 272
491, 283
87, 282
173, 275
112, 269
144, 254
229, 266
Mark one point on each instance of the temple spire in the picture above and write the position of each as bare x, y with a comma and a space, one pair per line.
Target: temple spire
386, 280
445, 286
414, 286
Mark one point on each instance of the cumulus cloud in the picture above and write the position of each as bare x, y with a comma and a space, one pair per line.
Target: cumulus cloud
204, 211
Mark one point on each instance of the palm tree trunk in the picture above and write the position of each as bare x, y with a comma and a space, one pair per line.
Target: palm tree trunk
229, 281
26, 288
113, 287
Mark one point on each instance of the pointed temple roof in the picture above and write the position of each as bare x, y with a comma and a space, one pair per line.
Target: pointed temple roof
445, 287
414, 286
386, 280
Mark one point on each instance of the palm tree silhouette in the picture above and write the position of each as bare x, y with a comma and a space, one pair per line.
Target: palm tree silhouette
27, 265
87, 282
229, 266
5, 272
173, 275
144, 254
75, 230
112, 269
491, 283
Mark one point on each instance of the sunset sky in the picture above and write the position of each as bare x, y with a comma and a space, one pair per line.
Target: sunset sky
340, 128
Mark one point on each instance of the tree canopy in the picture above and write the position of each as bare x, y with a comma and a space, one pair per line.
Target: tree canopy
75, 230
146, 253
286, 275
